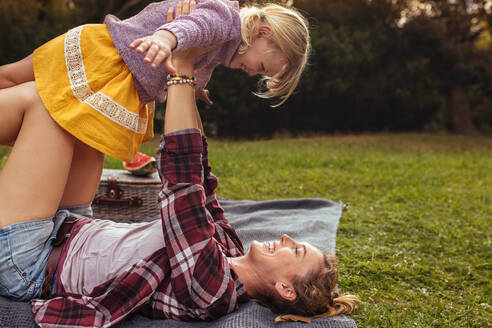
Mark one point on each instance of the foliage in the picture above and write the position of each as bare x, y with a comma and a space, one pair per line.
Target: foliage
94, 11
449, 35
27, 24
360, 79
377, 65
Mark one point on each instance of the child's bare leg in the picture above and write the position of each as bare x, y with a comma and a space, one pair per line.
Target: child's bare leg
16, 73
84, 176
34, 177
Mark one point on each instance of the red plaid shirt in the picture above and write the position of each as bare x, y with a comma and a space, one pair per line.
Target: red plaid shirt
189, 278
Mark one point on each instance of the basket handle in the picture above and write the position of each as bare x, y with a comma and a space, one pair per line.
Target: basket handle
114, 194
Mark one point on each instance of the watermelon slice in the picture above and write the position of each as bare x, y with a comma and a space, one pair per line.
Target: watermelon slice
141, 165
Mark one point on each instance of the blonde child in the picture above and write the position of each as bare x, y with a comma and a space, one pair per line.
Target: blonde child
95, 82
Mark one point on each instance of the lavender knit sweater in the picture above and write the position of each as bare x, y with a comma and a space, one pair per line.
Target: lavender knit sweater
212, 22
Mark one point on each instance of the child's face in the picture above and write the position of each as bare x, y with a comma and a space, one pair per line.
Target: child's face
260, 58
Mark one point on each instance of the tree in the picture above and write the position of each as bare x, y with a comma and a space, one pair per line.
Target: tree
360, 79
446, 32
27, 24
94, 11
377, 65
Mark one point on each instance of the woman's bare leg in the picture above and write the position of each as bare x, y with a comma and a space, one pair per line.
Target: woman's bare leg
33, 179
84, 176
13, 103
11, 113
16, 73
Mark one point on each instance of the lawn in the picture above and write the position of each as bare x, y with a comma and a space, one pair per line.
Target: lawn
414, 241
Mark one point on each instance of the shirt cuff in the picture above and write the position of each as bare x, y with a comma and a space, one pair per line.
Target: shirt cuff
181, 160
184, 142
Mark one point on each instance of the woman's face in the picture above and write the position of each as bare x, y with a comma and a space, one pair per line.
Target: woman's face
260, 58
286, 258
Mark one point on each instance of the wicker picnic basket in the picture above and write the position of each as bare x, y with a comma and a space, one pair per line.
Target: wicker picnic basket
124, 197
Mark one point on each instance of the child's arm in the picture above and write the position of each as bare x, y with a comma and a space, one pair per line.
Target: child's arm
211, 23
160, 45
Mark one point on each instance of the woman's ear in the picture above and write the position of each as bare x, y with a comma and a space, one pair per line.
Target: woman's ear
286, 291
264, 31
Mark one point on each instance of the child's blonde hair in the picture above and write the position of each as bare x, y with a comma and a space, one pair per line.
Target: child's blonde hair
290, 34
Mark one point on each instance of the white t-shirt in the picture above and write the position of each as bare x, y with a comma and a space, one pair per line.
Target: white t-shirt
103, 249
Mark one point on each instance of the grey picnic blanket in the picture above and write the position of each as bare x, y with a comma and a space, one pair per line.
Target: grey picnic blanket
311, 220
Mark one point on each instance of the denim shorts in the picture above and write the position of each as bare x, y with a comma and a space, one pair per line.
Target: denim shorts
24, 251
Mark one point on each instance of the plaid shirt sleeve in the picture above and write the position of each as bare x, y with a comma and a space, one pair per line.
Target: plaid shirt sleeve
203, 286
224, 233
212, 22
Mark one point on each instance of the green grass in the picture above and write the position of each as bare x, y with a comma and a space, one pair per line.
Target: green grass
414, 241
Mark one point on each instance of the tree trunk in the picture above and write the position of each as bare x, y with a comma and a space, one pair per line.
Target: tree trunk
459, 113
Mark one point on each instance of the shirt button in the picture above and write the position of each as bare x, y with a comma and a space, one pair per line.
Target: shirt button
24, 274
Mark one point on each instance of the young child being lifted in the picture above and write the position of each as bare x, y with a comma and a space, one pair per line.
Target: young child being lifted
96, 80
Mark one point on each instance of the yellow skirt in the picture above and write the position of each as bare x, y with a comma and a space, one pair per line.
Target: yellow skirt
90, 92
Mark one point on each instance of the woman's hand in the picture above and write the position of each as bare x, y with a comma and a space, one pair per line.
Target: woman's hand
182, 8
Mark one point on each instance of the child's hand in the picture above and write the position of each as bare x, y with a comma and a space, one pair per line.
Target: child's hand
158, 47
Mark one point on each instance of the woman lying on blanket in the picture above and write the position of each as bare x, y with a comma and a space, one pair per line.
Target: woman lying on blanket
190, 265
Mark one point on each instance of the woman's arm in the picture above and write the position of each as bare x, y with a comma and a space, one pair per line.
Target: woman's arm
181, 106
182, 113
201, 279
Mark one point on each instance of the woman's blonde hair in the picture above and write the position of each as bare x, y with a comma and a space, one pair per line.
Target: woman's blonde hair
315, 295
290, 35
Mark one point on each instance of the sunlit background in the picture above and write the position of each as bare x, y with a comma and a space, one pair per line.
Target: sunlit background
377, 65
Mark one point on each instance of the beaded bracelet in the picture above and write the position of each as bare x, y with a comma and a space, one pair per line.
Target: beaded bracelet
180, 79
181, 76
